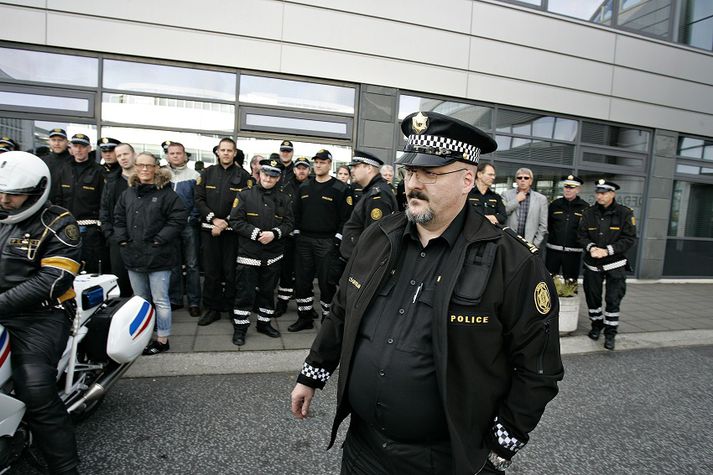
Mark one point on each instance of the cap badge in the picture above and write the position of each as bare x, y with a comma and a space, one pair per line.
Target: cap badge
273, 163
105, 140
570, 177
419, 123
601, 181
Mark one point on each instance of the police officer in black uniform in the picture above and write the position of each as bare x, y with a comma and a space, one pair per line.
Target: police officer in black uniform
286, 286
607, 231
563, 249
262, 218
111, 166
215, 192
378, 199
444, 326
81, 185
483, 198
287, 151
39, 258
57, 158
321, 210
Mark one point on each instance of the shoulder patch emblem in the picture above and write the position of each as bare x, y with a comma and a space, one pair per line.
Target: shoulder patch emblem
633, 220
543, 302
72, 232
376, 214
349, 200
199, 180
235, 202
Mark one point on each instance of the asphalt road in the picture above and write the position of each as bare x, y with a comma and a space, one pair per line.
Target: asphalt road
635, 412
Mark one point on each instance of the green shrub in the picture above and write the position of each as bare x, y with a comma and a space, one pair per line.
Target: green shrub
565, 287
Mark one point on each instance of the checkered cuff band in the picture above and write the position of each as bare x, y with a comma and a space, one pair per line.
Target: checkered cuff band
610, 249
246, 261
308, 300
209, 217
505, 440
315, 373
254, 234
266, 311
241, 322
278, 233
442, 146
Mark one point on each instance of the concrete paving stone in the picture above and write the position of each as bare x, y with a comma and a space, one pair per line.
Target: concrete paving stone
183, 328
220, 327
297, 341
703, 323
181, 343
214, 343
257, 341
673, 324
650, 326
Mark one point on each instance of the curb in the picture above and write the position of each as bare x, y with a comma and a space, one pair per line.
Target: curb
290, 361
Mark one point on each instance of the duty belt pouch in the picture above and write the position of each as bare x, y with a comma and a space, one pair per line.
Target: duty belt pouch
475, 274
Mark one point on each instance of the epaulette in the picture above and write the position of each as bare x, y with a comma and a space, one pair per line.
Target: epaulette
338, 185
531, 247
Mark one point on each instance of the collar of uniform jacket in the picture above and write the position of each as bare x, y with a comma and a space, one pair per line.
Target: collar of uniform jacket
450, 234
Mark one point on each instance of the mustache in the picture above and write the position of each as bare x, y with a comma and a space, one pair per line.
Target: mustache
417, 194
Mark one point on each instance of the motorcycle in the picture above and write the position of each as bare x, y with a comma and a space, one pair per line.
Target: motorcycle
108, 333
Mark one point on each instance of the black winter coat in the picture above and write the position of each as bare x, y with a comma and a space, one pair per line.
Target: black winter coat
495, 373
147, 222
612, 228
563, 218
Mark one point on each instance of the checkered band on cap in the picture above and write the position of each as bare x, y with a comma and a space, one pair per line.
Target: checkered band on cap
368, 161
442, 146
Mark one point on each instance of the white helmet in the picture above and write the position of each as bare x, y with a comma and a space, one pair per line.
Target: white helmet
22, 173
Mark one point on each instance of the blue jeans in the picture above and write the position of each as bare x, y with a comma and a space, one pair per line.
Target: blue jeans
153, 286
189, 251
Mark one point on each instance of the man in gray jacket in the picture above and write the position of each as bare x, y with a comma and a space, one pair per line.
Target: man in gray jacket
526, 208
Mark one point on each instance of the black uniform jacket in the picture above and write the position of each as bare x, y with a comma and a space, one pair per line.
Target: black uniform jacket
147, 222
488, 204
39, 258
56, 162
612, 228
81, 188
113, 189
257, 209
216, 189
563, 223
495, 333
377, 202
322, 214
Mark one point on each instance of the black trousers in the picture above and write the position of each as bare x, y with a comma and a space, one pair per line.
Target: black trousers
219, 257
569, 262
94, 249
286, 286
367, 452
38, 341
119, 269
615, 291
313, 257
254, 288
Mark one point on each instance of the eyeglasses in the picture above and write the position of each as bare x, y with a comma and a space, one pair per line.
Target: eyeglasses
145, 166
523, 178
425, 177
570, 187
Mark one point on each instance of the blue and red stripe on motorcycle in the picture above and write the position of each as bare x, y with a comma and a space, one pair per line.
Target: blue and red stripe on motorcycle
142, 320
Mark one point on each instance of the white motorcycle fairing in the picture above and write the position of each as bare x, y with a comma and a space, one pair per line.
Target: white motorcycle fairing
130, 331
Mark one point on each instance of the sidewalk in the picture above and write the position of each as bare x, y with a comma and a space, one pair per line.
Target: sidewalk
652, 315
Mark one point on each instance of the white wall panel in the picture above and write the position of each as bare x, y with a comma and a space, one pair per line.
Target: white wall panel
527, 64
631, 112
451, 15
28, 3
257, 18
22, 24
536, 96
349, 32
669, 60
160, 42
367, 69
647, 87
540, 31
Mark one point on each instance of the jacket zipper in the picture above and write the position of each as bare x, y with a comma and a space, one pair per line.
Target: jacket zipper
540, 360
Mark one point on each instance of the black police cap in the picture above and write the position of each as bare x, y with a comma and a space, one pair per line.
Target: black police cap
57, 132
434, 140
286, 146
302, 162
572, 180
322, 154
108, 143
272, 166
80, 139
9, 143
603, 185
365, 157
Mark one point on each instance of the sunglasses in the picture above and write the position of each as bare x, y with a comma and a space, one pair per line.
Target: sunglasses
523, 177
570, 187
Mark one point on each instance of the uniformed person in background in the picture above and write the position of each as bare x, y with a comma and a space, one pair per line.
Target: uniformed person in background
287, 151
215, 192
321, 210
9, 144
563, 250
378, 199
486, 201
607, 231
108, 157
81, 184
286, 286
262, 218
58, 158
444, 325
113, 188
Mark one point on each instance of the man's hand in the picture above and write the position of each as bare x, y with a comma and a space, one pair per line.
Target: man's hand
219, 225
266, 237
492, 218
521, 195
301, 398
598, 253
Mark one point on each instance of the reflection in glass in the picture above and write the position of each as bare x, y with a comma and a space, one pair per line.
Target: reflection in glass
526, 123
621, 137
691, 147
200, 146
164, 112
169, 80
341, 154
303, 125
479, 116
296, 94
691, 210
37, 66
647, 16
611, 159
688, 258
31, 134
43, 101
543, 151
697, 24
596, 11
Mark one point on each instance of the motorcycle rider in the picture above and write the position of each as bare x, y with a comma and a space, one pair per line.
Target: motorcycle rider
39, 258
